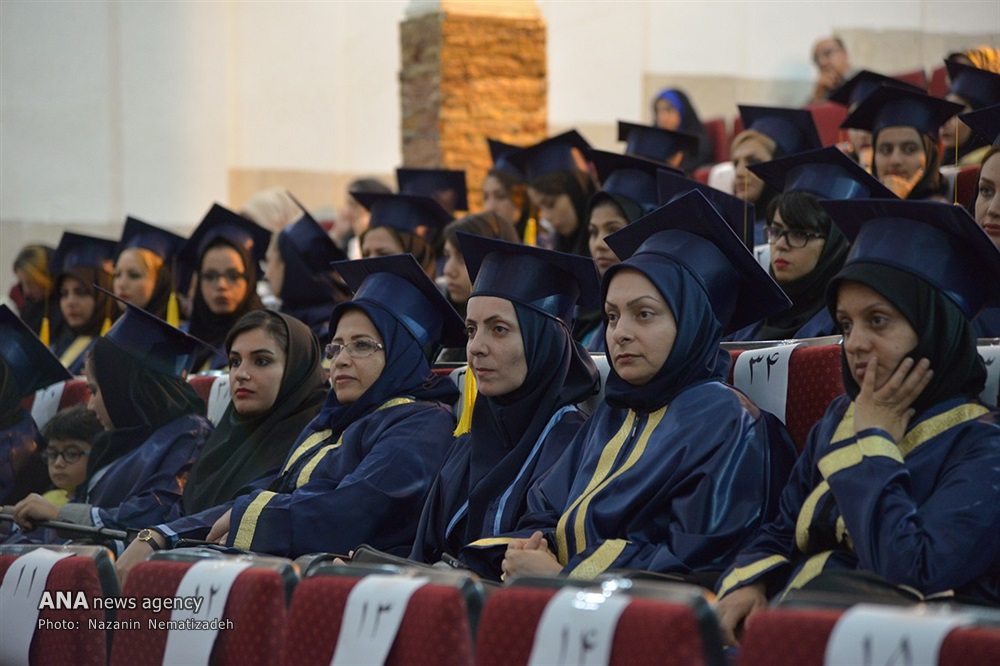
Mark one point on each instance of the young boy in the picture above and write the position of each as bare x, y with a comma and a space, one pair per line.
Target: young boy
70, 434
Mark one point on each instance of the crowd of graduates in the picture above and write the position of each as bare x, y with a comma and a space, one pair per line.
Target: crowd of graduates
339, 433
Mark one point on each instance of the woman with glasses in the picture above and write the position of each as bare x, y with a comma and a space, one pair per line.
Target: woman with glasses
360, 471
807, 250
224, 252
530, 374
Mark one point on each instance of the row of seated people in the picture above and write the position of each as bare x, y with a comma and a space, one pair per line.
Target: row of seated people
675, 472
318, 611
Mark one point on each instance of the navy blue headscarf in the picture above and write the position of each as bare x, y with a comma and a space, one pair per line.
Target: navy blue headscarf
695, 357
505, 428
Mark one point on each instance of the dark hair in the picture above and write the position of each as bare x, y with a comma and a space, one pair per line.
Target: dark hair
579, 186
34, 260
368, 185
488, 224
931, 183
421, 248
76, 422
799, 210
517, 190
266, 320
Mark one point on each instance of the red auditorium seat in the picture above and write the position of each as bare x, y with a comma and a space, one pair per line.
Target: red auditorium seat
717, 133
256, 605
649, 631
83, 646
917, 77
786, 637
828, 117
965, 184
938, 87
434, 631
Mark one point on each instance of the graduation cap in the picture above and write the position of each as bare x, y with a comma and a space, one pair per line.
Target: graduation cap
432, 182
690, 232
30, 363
863, 84
895, 107
793, 130
398, 285
628, 181
308, 252
937, 242
737, 213
557, 153
152, 341
418, 215
655, 143
500, 153
222, 223
978, 87
827, 173
985, 123
549, 282
138, 234
82, 251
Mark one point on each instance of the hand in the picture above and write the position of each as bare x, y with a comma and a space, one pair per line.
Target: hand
530, 556
736, 609
137, 551
887, 407
220, 530
900, 185
32, 509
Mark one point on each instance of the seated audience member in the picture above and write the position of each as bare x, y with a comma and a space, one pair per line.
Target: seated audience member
904, 126
807, 250
676, 469
667, 147
458, 285
973, 89
672, 110
530, 374
69, 437
224, 251
154, 427
361, 470
143, 273
445, 186
403, 224
506, 194
352, 217
32, 295
80, 262
830, 58
896, 493
277, 386
26, 365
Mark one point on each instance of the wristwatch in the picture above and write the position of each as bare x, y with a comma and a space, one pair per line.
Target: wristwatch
147, 536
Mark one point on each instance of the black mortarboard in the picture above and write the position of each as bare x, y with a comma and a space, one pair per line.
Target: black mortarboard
979, 87
136, 233
655, 143
32, 366
431, 182
220, 222
79, 250
737, 213
398, 285
894, 107
937, 242
628, 177
547, 281
421, 216
500, 153
152, 341
557, 153
863, 84
307, 251
793, 130
985, 123
827, 173
690, 232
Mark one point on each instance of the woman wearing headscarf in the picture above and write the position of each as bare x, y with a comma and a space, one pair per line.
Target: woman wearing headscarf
403, 224
806, 248
896, 493
675, 469
974, 89
530, 374
154, 424
144, 269
361, 470
985, 203
672, 110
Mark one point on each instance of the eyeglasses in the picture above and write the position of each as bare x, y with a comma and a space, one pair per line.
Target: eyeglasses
362, 348
794, 237
69, 455
231, 276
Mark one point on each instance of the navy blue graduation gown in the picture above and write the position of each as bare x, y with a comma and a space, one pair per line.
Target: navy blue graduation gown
987, 324
819, 325
368, 486
19, 441
678, 490
924, 513
444, 523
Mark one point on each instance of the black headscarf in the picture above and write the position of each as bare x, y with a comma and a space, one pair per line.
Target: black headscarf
579, 187
10, 398
695, 357
244, 448
139, 401
213, 328
945, 336
88, 277
505, 428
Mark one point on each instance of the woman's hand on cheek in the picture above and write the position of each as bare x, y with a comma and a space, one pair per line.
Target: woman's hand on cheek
888, 407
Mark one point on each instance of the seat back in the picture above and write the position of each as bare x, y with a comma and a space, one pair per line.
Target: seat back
828, 117
938, 87
717, 133
434, 629
965, 184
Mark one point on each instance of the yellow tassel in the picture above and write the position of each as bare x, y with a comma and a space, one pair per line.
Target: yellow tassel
45, 333
173, 310
105, 326
468, 403
531, 232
